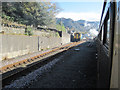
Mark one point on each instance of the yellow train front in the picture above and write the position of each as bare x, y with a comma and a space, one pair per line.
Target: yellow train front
75, 37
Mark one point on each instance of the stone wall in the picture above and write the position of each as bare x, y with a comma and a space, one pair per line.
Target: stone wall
12, 30
21, 31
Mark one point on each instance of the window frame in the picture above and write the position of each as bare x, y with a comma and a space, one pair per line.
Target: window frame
107, 18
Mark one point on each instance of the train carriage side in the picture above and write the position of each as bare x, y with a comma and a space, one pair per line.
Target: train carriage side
107, 45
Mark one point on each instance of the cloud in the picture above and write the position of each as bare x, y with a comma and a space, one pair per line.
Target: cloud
93, 32
89, 16
78, 0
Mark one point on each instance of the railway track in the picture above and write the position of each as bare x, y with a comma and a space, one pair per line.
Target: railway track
13, 71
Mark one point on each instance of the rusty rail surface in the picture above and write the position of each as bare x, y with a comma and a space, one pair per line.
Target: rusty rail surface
24, 61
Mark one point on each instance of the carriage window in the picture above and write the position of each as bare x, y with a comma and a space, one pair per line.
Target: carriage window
102, 32
108, 30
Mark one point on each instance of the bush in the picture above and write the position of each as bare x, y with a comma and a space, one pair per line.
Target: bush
28, 31
60, 27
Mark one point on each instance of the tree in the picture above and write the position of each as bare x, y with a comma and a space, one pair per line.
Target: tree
30, 13
60, 27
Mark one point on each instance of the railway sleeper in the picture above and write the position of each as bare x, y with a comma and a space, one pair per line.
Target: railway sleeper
38, 56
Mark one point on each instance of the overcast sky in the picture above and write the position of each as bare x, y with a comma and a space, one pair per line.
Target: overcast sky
80, 9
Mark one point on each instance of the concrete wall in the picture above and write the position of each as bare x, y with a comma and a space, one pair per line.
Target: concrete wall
65, 38
49, 42
17, 45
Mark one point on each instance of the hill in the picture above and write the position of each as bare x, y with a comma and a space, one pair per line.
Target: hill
80, 25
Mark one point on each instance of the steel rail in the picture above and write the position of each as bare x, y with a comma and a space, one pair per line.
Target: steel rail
31, 59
